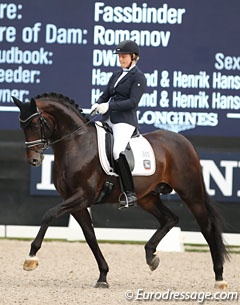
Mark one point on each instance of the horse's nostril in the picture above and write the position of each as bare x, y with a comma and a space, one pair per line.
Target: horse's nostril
34, 161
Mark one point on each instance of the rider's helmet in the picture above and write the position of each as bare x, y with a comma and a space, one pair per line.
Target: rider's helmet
127, 47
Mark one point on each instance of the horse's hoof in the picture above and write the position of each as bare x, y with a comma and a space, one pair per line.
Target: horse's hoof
221, 285
101, 285
154, 263
31, 263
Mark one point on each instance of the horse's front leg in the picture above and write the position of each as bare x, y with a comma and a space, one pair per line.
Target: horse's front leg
31, 262
84, 220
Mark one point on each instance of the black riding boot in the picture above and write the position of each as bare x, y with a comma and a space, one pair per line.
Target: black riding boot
128, 197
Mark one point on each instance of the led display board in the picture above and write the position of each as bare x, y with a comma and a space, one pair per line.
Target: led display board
189, 52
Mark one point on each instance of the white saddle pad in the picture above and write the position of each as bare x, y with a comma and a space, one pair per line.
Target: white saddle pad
144, 158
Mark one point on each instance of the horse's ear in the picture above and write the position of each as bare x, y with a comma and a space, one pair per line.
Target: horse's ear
17, 102
33, 105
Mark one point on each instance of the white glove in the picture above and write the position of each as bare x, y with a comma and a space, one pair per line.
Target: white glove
94, 108
102, 108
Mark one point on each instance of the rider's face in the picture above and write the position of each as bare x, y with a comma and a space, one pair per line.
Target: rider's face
124, 60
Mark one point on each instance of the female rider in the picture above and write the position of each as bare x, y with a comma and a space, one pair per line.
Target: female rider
118, 105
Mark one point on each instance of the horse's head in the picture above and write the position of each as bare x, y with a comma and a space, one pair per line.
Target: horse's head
34, 127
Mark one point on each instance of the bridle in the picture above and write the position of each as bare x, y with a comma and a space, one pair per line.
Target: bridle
44, 141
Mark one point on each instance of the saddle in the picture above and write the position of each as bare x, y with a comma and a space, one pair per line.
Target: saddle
139, 152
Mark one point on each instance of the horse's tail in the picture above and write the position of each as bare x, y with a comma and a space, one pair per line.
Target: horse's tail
217, 224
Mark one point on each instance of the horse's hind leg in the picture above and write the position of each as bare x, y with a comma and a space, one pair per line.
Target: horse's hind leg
210, 222
153, 204
84, 220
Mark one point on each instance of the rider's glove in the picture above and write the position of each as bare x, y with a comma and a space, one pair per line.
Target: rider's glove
94, 108
103, 108
100, 108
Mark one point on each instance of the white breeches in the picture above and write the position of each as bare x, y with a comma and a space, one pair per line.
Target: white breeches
122, 133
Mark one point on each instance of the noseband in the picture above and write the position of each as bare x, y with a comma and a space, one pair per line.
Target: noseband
43, 140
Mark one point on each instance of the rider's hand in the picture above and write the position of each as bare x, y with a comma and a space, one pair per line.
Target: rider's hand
94, 108
102, 108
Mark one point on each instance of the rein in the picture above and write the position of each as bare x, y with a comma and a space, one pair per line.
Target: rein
44, 140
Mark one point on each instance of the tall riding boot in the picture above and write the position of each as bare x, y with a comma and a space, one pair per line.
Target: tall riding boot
128, 197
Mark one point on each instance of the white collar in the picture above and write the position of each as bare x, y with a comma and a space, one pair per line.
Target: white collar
127, 70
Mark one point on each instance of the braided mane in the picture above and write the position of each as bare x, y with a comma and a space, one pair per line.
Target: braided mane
61, 98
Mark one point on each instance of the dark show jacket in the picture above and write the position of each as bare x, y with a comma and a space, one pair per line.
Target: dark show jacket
124, 98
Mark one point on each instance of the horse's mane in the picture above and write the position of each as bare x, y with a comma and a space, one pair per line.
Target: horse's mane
62, 98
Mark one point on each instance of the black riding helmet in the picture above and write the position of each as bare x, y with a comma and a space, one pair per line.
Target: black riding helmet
127, 47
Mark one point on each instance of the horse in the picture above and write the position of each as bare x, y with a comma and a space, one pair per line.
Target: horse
56, 120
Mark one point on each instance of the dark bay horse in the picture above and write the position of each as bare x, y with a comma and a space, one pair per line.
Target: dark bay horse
53, 119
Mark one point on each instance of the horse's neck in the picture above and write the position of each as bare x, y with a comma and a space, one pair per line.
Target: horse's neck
65, 118
65, 123
79, 145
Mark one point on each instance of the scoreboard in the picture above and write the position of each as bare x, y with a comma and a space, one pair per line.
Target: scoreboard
189, 52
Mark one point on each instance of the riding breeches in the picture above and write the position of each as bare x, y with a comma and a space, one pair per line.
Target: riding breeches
122, 133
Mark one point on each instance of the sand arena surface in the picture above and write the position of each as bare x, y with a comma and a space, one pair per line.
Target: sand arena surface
67, 273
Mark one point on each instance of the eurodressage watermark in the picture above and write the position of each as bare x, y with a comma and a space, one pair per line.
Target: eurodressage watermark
200, 297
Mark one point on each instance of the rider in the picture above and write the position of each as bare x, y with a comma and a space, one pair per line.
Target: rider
118, 104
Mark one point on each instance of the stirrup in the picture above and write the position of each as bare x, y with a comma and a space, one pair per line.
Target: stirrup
128, 200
